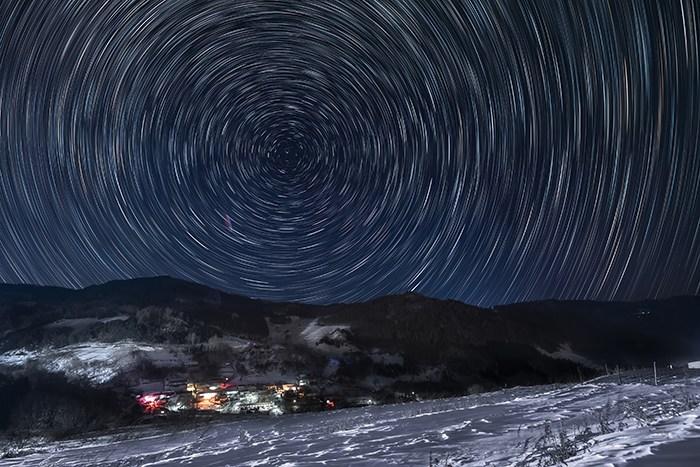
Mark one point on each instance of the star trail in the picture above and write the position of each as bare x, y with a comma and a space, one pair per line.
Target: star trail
487, 151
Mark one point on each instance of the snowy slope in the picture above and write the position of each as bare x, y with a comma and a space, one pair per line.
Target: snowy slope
97, 362
498, 429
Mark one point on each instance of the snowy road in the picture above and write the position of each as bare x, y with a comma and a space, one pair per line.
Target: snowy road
491, 429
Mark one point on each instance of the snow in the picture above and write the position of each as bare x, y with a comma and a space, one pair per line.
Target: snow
314, 333
564, 352
98, 362
233, 342
617, 448
83, 322
681, 453
497, 429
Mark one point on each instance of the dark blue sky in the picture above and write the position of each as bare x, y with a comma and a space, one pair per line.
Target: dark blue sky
486, 151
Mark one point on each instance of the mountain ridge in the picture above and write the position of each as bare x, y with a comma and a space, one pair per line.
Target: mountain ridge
403, 338
174, 281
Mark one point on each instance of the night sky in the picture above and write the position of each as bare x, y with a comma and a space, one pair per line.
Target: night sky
488, 151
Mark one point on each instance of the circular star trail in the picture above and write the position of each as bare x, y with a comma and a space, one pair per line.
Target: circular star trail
331, 151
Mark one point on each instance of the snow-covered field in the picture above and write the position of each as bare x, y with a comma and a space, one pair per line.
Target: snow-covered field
606, 423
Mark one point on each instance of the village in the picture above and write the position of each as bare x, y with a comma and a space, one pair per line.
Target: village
225, 396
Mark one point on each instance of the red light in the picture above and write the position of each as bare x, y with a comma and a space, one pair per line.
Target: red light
152, 403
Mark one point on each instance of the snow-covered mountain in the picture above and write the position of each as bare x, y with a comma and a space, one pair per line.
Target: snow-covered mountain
161, 326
